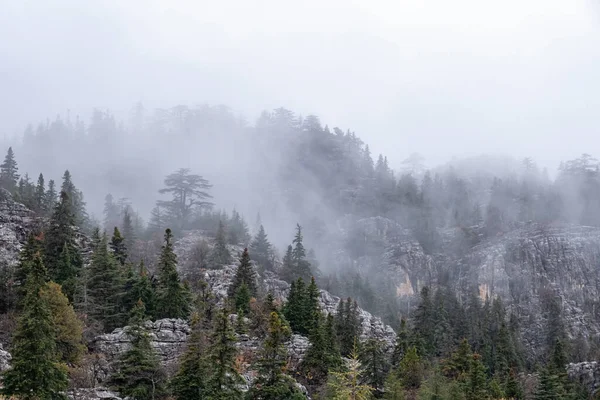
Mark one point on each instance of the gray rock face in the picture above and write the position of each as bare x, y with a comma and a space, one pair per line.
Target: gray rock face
586, 373
4, 359
93, 394
532, 263
16, 222
168, 337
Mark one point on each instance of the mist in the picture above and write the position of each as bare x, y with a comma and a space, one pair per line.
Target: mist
438, 79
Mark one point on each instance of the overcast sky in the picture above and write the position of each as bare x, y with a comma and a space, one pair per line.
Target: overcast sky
440, 77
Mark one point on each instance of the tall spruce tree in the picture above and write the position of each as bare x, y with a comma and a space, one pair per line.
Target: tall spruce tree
138, 374
117, 245
224, 381
347, 385
172, 297
347, 322
36, 371
60, 240
104, 287
301, 265
9, 172
50, 197
129, 232
262, 251
40, 196
245, 274
272, 383
375, 364
190, 381
75, 197
287, 268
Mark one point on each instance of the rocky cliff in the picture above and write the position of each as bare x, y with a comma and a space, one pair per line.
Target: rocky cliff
16, 222
529, 266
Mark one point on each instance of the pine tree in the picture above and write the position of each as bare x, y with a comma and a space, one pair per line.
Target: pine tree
223, 383
138, 374
36, 371
301, 266
117, 245
245, 274
347, 385
272, 384
374, 361
549, 386
301, 308
40, 196
104, 287
410, 370
318, 361
172, 297
68, 328
9, 172
129, 234
31, 248
50, 197
477, 384
139, 287
401, 344
111, 213
220, 254
512, 388
312, 309
242, 299
262, 250
287, 268
61, 234
75, 198
424, 324
393, 388
347, 325
190, 383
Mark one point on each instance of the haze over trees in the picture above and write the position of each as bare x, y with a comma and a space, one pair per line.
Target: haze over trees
331, 217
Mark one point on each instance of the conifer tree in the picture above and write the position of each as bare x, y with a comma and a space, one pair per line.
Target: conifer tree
424, 324
9, 172
300, 309
287, 268
40, 196
220, 254
301, 266
262, 250
272, 384
401, 344
190, 381
512, 388
50, 197
312, 308
68, 328
36, 371
129, 234
374, 362
172, 297
477, 384
347, 385
224, 381
410, 370
317, 361
117, 245
104, 287
549, 386
61, 234
245, 274
347, 325
139, 287
242, 299
32, 247
393, 389
138, 374
75, 197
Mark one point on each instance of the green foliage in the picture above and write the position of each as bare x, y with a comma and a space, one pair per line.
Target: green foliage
272, 383
375, 363
190, 381
224, 380
9, 172
320, 357
549, 386
393, 389
424, 324
242, 299
477, 387
347, 325
302, 307
36, 371
347, 385
61, 253
104, 287
262, 251
245, 275
173, 298
410, 370
138, 374
295, 264
117, 245
402, 344
68, 328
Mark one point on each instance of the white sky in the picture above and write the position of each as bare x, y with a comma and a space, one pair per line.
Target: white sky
438, 77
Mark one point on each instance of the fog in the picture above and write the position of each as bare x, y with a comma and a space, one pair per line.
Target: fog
439, 78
